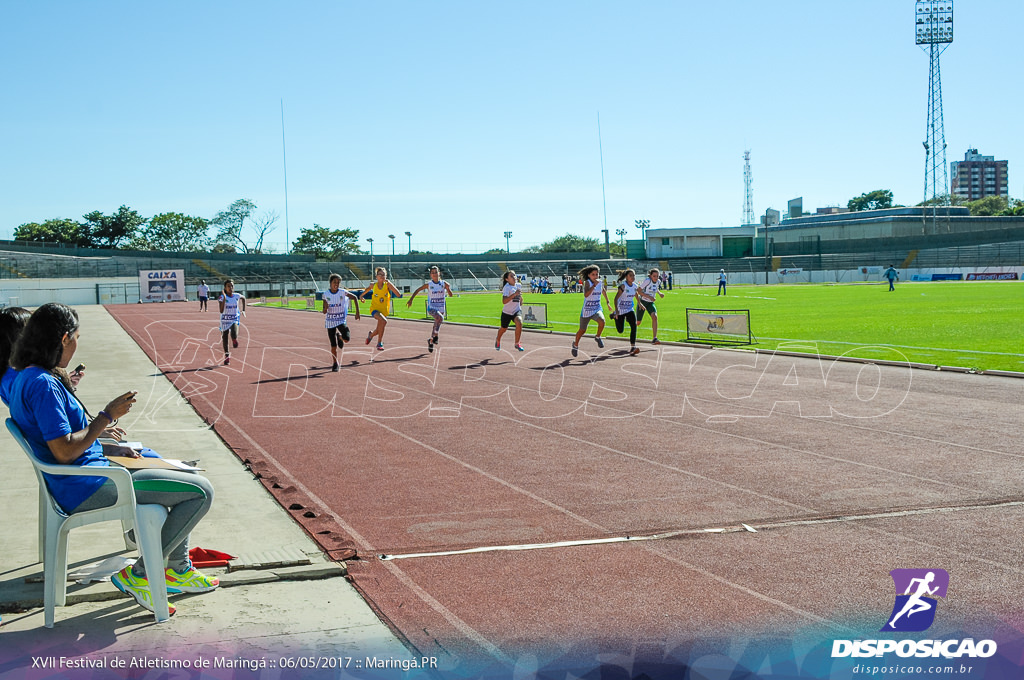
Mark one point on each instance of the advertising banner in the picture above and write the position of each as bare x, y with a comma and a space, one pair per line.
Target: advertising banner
162, 285
992, 276
709, 325
535, 314
947, 277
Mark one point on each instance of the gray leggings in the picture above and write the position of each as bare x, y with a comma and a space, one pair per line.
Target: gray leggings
187, 495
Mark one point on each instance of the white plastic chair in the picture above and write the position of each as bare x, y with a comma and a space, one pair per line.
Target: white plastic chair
148, 521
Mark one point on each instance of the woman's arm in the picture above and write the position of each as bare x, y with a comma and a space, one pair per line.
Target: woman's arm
68, 448
394, 290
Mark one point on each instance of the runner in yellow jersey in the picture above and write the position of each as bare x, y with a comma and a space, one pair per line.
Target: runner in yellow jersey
380, 293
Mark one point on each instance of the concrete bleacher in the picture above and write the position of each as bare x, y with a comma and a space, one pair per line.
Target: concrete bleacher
472, 272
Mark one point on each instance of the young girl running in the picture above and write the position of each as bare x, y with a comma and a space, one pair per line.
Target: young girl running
649, 288
593, 289
380, 304
336, 316
624, 310
437, 290
512, 307
232, 306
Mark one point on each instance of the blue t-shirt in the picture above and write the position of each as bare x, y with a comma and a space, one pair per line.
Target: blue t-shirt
45, 410
5, 385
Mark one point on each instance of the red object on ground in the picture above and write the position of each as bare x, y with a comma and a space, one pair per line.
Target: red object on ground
205, 557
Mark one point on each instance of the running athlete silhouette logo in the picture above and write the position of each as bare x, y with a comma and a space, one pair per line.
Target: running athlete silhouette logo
914, 609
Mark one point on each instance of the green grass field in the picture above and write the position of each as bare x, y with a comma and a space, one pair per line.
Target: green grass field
976, 325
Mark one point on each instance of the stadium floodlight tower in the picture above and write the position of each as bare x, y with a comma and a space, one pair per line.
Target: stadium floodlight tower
934, 29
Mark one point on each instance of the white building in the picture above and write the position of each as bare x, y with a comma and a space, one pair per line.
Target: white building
668, 244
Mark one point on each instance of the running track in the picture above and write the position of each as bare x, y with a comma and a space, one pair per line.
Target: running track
843, 471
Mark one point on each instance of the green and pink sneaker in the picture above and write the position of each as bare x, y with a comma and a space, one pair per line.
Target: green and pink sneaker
190, 581
137, 586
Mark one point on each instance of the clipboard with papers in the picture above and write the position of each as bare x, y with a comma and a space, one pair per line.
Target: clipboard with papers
152, 464
144, 463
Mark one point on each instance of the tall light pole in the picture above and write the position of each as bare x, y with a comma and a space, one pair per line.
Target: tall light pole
934, 29
607, 244
409, 234
643, 226
371, 258
392, 237
621, 233
508, 235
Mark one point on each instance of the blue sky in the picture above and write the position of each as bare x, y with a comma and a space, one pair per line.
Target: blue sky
460, 120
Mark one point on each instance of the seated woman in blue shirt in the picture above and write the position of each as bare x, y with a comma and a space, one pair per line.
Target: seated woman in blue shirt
56, 427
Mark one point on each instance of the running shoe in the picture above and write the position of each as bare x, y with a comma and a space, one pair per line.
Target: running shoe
369, 336
380, 345
234, 342
600, 342
497, 346
189, 581
634, 351
655, 341
334, 368
227, 360
137, 586
520, 347
430, 344
575, 350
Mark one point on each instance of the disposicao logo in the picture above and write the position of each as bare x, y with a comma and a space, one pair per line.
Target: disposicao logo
914, 609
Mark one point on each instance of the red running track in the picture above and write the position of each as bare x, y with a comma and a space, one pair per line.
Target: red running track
843, 471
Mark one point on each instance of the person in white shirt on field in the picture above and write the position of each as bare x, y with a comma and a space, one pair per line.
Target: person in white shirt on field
203, 291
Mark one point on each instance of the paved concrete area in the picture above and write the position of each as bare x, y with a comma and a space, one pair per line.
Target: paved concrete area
258, 612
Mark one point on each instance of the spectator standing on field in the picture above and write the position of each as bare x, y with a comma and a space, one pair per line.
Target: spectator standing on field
203, 292
721, 282
892, 275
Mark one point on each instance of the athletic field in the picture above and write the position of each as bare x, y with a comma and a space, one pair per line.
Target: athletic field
685, 507
976, 325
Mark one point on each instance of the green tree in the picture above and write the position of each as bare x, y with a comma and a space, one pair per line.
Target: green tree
109, 231
988, 206
326, 243
233, 230
173, 232
941, 200
58, 230
1015, 209
571, 243
873, 200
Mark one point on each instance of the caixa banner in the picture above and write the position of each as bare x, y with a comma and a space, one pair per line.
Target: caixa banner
162, 285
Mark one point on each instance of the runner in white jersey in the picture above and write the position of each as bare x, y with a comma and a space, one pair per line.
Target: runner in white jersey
624, 302
336, 316
232, 306
593, 289
512, 308
437, 290
649, 289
